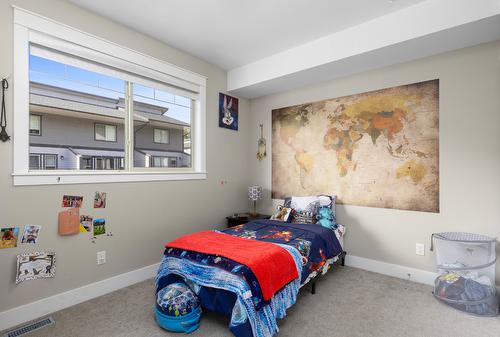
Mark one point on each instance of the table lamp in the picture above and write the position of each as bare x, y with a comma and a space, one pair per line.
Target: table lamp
254, 194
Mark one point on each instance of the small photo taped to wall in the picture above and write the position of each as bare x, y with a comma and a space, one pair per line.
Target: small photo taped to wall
72, 201
86, 223
8, 237
31, 234
99, 227
100, 200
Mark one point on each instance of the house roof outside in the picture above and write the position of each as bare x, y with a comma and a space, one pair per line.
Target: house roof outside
52, 99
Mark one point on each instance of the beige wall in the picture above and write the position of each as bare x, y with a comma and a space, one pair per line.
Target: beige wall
469, 154
142, 216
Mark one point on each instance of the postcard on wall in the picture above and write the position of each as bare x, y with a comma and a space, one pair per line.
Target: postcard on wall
69, 221
85, 224
99, 227
8, 237
228, 112
31, 234
72, 201
100, 200
34, 265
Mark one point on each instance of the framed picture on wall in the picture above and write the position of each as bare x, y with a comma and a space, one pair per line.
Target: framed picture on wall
228, 112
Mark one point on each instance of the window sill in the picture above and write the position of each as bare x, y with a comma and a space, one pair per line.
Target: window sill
62, 178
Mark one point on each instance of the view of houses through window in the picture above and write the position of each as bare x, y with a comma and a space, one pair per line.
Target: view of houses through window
77, 121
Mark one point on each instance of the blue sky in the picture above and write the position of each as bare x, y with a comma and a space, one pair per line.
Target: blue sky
69, 77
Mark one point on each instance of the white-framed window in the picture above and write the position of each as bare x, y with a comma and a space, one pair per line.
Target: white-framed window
105, 132
161, 136
117, 92
35, 125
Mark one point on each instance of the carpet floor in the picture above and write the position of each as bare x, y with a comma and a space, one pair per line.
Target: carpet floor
349, 302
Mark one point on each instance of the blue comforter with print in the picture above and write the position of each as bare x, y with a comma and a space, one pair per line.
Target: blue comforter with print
311, 245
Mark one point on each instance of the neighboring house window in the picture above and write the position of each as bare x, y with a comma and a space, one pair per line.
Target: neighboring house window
105, 132
159, 161
161, 136
35, 162
35, 125
86, 163
43, 161
101, 163
49, 161
74, 81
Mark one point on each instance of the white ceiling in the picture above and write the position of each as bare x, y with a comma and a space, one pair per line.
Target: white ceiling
269, 46
232, 33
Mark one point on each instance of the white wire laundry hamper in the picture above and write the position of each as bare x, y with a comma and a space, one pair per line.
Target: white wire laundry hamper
466, 272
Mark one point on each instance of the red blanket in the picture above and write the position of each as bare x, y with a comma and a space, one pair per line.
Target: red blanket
271, 264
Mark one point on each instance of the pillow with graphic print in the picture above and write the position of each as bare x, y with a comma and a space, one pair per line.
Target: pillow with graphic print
304, 217
302, 205
283, 214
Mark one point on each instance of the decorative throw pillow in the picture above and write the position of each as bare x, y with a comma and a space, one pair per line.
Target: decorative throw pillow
283, 214
305, 209
326, 217
304, 217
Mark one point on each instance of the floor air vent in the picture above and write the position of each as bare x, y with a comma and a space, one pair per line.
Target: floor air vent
21, 331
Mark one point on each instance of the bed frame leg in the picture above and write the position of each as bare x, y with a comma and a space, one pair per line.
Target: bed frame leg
313, 287
342, 259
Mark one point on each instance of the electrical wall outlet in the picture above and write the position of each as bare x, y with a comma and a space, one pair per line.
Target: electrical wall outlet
420, 249
101, 257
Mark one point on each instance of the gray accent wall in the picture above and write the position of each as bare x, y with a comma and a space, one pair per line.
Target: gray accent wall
142, 216
469, 156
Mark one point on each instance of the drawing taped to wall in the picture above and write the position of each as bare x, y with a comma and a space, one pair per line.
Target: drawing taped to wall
35, 265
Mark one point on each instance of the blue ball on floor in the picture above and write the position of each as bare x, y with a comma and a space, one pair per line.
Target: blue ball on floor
178, 308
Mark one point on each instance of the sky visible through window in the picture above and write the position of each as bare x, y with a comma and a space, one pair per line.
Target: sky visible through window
65, 76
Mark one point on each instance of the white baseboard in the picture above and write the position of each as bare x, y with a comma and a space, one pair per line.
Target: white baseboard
48, 305
416, 275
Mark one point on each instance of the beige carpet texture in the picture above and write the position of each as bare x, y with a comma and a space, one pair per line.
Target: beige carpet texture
349, 302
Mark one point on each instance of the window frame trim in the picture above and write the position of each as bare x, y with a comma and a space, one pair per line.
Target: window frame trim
28, 26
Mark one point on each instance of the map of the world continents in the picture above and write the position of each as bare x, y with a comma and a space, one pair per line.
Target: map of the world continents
377, 149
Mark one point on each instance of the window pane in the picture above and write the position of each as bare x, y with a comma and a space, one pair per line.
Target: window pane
83, 117
162, 124
161, 136
35, 125
100, 132
50, 162
111, 133
34, 162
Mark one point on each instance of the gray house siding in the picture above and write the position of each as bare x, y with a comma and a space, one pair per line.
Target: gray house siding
77, 132
80, 133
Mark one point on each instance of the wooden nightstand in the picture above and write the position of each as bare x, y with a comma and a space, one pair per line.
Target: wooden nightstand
241, 218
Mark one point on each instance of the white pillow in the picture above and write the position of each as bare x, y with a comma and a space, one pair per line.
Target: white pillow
308, 203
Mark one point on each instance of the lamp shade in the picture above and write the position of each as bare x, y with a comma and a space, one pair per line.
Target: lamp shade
254, 193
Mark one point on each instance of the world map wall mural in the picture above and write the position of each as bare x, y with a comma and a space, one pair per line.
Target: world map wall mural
377, 149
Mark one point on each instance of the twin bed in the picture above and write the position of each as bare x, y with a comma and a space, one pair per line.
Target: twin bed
252, 272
